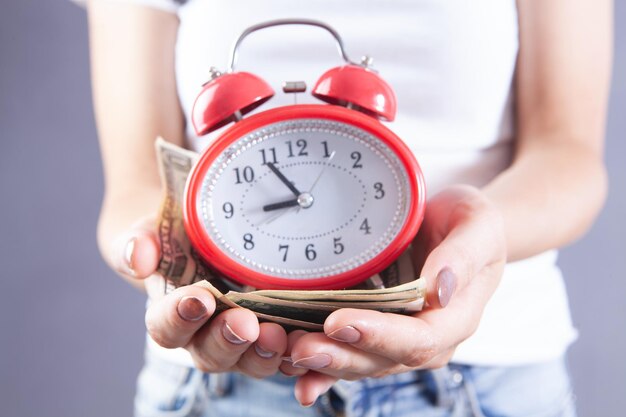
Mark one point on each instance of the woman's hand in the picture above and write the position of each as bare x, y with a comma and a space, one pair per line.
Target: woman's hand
233, 340
461, 252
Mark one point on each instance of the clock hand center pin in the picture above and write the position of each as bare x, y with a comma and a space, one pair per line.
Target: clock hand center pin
304, 200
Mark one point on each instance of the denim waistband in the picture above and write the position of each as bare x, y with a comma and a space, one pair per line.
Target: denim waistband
452, 391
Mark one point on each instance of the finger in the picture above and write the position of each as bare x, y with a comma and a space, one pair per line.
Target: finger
265, 356
439, 361
475, 240
286, 366
310, 386
315, 351
137, 252
173, 319
219, 346
411, 341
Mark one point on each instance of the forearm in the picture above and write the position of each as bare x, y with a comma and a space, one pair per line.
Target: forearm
548, 197
134, 92
557, 182
135, 100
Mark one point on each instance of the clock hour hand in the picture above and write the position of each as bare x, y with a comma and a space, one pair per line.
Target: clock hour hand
281, 205
284, 179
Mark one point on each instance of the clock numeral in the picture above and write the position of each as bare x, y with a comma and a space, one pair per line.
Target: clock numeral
247, 174
365, 226
338, 246
356, 156
380, 193
291, 155
286, 249
271, 153
229, 210
301, 144
309, 252
248, 244
326, 153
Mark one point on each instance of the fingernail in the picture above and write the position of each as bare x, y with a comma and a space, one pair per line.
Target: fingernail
287, 359
346, 334
231, 336
266, 354
307, 405
317, 361
129, 249
191, 309
446, 284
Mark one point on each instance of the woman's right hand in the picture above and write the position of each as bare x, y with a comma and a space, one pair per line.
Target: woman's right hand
184, 318
230, 341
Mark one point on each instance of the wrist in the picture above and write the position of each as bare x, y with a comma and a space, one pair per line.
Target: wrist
122, 209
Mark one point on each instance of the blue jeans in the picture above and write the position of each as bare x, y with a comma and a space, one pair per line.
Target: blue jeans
538, 390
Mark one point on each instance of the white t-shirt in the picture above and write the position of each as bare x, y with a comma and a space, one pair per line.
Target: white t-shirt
451, 64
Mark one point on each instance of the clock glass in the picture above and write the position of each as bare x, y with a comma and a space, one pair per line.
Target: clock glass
304, 202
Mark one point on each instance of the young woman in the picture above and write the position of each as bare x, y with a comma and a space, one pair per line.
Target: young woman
503, 104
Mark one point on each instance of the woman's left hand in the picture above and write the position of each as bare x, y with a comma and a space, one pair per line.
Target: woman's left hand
461, 246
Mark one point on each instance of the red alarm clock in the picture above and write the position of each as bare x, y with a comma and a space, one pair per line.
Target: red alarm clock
317, 196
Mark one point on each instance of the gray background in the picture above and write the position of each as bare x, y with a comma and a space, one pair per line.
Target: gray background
72, 333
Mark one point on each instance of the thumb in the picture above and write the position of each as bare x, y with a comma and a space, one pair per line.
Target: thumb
136, 252
310, 386
474, 241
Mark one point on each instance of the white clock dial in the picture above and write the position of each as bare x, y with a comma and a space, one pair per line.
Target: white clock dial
304, 198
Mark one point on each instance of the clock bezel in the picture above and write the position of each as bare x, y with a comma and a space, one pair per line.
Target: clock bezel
214, 255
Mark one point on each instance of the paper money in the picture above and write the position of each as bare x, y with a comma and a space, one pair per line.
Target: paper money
411, 289
303, 309
179, 263
316, 312
297, 312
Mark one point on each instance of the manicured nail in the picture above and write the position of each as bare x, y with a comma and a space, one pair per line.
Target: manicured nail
446, 284
317, 361
231, 336
129, 249
266, 354
346, 334
191, 309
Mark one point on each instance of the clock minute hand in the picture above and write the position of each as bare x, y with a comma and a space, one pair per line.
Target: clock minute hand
284, 179
281, 205
332, 155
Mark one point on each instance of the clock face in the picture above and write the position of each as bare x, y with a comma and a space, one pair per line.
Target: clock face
307, 202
